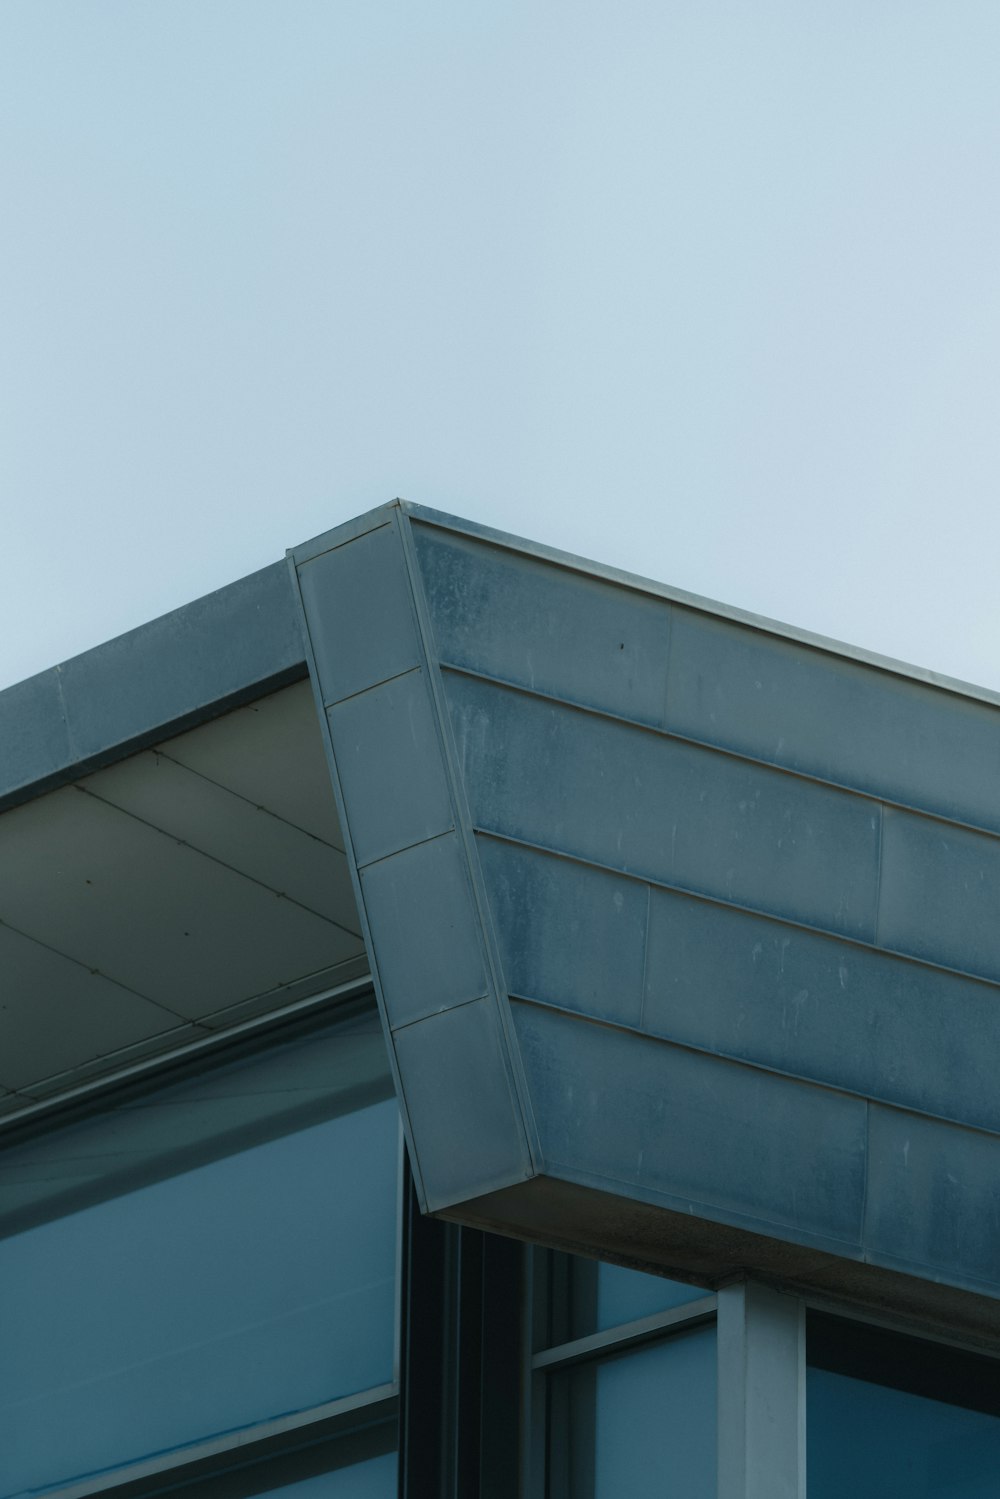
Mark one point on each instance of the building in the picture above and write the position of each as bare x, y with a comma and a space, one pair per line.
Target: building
668, 935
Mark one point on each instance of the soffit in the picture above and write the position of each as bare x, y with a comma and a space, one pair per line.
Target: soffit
169, 896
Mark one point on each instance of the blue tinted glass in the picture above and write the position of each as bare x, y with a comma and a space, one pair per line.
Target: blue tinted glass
624, 1295
374, 1479
641, 1425
253, 1285
869, 1441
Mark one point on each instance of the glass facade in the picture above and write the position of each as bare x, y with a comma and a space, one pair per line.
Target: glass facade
892, 1417
207, 1287
627, 1368
185, 1300
620, 1424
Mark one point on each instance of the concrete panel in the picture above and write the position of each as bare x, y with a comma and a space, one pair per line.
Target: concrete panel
546, 628
391, 767
466, 1126
835, 718
669, 811
940, 893
933, 1205
424, 929
730, 1143
568, 933
832, 1011
357, 601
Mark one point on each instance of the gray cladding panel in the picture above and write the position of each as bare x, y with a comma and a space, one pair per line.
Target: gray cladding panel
181, 668
390, 766
703, 1135
34, 738
933, 1200
568, 934
831, 717
357, 601
217, 647
940, 893
424, 929
809, 1005
461, 1109
508, 616
638, 801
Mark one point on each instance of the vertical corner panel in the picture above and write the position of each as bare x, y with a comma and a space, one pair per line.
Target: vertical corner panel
413, 862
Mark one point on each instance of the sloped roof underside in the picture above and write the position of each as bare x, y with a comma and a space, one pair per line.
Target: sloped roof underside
170, 896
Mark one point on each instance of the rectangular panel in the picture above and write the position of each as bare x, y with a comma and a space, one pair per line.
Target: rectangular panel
568, 933
221, 1294
700, 1134
940, 893
846, 722
357, 603
833, 1011
150, 913
465, 1124
543, 627
424, 929
933, 1205
654, 806
391, 767
57, 1013
237, 833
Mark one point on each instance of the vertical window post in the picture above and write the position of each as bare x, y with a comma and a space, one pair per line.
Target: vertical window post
762, 1364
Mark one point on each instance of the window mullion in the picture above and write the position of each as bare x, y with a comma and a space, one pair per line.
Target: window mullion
761, 1394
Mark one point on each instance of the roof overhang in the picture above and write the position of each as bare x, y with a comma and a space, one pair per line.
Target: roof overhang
682, 925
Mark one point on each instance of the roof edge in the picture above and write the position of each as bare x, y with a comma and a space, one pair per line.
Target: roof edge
621, 576
163, 677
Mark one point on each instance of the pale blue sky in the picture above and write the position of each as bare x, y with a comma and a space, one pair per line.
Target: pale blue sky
706, 290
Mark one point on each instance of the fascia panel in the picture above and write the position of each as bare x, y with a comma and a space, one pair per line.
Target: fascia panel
667, 908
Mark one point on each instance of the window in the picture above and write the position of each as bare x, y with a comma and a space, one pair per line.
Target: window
894, 1417
204, 1266
625, 1383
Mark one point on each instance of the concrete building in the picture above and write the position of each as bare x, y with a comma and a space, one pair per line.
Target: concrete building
666, 938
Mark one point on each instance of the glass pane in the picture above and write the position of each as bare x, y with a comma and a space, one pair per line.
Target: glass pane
211, 1298
642, 1424
624, 1295
925, 1424
587, 1296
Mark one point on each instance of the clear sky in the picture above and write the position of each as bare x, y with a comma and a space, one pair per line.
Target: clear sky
704, 288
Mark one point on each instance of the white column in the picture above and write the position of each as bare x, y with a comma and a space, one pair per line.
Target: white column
762, 1394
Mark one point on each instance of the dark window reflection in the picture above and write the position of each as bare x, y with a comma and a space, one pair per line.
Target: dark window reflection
587, 1296
640, 1425
891, 1417
250, 1275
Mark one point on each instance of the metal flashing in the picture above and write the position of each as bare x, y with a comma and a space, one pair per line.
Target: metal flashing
171, 674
